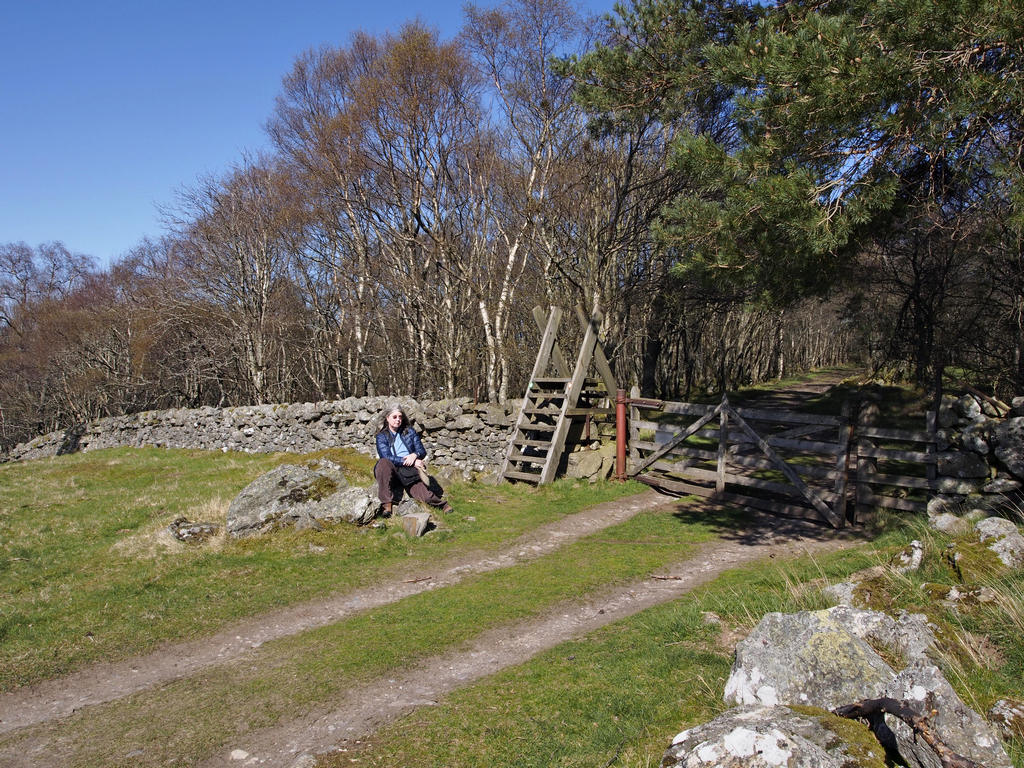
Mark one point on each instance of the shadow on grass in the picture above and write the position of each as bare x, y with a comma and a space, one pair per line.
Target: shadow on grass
751, 527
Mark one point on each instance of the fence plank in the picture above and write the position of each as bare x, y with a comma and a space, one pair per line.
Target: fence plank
914, 457
908, 435
711, 476
676, 440
788, 471
891, 502
676, 486
874, 477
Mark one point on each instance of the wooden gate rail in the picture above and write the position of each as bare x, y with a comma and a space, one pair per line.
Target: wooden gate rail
882, 458
813, 454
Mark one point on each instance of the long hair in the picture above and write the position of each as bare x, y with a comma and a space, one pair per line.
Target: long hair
388, 412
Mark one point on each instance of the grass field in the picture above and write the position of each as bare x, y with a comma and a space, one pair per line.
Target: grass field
86, 572
85, 575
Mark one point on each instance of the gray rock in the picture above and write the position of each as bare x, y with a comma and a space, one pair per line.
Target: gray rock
298, 495
416, 524
1007, 715
909, 635
1003, 538
950, 524
1002, 485
809, 658
939, 504
841, 593
1017, 407
953, 485
962, 464
349, 505
909, 559
191, 532
968, 407
925, 690
584, 464
465, 421
1008, 444
975, 438
768, 737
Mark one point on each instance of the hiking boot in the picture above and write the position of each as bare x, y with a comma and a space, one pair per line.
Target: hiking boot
447, 507
387, 509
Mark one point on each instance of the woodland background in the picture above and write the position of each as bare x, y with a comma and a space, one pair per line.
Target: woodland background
741, 191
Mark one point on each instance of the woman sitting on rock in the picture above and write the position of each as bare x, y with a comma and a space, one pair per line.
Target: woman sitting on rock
401, 463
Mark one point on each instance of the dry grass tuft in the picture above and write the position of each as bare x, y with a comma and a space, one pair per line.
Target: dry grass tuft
156, 539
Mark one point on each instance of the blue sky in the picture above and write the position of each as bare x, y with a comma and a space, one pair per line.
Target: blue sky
107, 108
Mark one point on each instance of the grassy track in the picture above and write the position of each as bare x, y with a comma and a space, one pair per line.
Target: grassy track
290, 676
618, 696
83, 575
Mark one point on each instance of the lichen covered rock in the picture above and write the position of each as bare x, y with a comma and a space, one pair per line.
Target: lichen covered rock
301, 495
808, 658
774, 737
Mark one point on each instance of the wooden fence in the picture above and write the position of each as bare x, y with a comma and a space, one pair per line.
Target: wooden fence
793, 464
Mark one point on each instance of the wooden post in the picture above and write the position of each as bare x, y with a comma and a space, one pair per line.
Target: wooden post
634, 421
931, 448
723, 440
843, 461
865, 464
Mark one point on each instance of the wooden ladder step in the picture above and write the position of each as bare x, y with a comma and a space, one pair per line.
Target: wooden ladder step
523, 442
536, 427
519, 457
540, 396
529, 477
550, 381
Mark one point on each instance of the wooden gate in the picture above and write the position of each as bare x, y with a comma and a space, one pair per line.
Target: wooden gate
789, 463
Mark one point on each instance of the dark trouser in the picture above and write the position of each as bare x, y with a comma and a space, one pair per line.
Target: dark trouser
389, 487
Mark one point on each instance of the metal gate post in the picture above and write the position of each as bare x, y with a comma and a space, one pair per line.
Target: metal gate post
620, 434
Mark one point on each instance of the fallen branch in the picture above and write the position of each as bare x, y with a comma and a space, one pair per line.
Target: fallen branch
873, 711
996, 403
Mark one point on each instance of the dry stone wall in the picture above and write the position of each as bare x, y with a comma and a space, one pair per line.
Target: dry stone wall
981, 453
457, 433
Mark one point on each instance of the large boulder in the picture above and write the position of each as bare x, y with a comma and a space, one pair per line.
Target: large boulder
773, 737
301, 495
809, 658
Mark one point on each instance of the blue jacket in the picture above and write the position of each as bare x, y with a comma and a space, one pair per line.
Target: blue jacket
386, 445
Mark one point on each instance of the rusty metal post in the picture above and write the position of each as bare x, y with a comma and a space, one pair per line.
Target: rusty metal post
620, 434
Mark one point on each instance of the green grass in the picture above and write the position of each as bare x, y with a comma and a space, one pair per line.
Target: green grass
82, 577
613, 698
288, 677
616, 697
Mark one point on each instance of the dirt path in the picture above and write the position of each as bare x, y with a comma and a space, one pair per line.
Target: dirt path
372, 705
797, 394
369, 706
109, 681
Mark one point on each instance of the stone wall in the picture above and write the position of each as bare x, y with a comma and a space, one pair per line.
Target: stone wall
981, 451
457, 433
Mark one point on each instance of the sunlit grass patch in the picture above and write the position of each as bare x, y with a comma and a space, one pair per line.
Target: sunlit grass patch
91, 530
